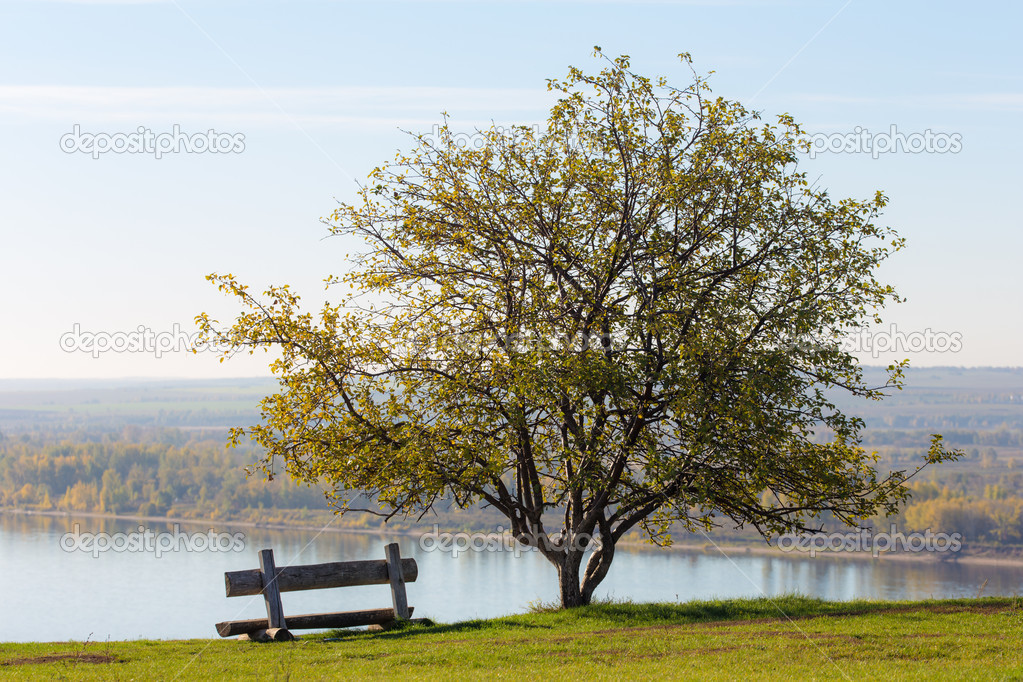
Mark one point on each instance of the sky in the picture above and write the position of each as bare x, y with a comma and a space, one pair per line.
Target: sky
302, 99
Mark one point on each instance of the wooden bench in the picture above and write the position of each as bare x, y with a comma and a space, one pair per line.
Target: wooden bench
271, 581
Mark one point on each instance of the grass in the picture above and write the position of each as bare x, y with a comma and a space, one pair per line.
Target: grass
784, 638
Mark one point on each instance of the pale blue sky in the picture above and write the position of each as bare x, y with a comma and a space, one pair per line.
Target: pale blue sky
319, 90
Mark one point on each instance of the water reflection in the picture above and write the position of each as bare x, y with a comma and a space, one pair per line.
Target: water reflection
51, 594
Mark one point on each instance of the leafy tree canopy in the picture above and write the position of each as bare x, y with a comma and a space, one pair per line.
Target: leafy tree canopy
629, 319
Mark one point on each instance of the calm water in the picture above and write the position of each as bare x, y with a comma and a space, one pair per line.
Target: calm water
51, 594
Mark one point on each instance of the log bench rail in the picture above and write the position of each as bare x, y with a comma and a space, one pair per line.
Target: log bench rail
271, 581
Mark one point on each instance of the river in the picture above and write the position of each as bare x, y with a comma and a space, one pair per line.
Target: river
57, 589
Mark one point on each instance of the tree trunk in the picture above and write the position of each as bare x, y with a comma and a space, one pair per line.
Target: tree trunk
568, 579
597, 568
576, 588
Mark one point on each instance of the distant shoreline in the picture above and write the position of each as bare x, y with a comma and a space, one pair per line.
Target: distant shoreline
632, 544
201, 521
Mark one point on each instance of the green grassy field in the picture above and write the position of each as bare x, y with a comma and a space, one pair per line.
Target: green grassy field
785, 638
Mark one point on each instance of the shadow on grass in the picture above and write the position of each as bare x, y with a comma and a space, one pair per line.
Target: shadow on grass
416, 629
760, 608
625, 614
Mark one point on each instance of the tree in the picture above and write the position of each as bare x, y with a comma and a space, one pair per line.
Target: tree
629, 320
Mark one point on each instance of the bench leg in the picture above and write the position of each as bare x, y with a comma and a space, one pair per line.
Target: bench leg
398, 597
271, 590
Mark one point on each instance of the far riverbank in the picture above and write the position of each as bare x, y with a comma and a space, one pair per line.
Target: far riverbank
982, 557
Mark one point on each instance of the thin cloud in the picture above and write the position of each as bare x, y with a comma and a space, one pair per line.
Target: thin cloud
984, 101
364, 106
693, 3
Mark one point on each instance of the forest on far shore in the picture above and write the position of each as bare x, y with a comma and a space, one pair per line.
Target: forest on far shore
158, 449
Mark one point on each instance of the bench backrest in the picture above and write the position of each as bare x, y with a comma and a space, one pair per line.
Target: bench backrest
270, 581
319, 576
